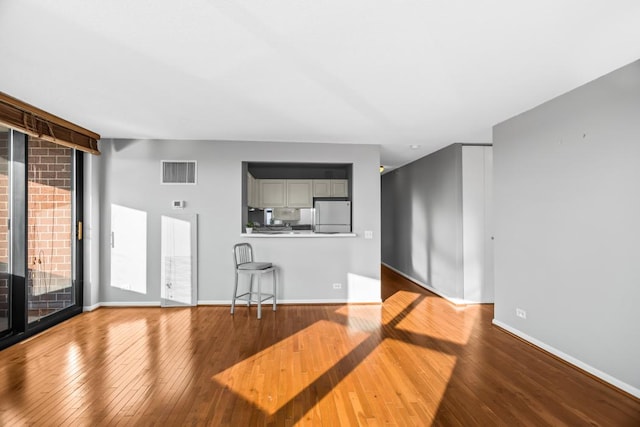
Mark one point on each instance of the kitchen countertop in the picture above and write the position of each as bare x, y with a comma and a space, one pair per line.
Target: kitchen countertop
296, 234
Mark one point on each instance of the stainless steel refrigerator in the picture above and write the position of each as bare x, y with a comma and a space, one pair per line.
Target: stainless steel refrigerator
332, 216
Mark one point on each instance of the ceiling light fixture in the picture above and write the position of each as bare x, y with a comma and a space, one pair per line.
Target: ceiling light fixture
414, 146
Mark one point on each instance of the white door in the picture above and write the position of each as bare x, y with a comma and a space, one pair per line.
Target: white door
178, 253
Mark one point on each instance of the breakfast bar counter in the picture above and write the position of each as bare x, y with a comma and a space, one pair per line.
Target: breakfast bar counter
297, 234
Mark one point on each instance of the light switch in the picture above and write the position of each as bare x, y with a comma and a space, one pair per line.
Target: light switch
368, 234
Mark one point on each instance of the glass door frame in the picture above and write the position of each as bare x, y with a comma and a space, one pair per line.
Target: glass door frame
18, 239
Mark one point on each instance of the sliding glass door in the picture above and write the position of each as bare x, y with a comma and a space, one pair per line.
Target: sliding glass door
40, 246
50, 281
5, 296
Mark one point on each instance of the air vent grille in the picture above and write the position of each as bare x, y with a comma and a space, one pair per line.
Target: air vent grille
178, 172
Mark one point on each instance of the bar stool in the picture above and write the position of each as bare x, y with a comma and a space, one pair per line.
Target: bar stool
245, 265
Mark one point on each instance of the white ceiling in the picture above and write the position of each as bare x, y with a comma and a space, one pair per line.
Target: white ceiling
394, 73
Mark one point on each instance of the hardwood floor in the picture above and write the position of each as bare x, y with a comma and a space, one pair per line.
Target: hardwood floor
414, 360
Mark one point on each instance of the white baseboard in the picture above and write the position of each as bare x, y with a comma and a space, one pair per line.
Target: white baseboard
294, 301
130, 304
572, 360
456, 301
91, 307
214, 302
329, 301
228, 302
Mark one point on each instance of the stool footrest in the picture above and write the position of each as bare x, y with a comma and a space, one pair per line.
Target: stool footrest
248, 296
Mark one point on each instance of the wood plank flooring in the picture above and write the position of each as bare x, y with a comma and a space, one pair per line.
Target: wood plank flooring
414, 360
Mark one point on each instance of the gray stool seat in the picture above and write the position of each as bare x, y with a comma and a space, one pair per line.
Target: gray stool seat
254, 266
245, 265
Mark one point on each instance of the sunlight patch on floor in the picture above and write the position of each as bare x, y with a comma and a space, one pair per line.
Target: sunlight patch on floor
276, 375
74, 361
362, 317
418, 387
397, 304
423, 320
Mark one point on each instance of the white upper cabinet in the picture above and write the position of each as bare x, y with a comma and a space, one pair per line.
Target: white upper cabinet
321, 188
253, 192
339, 188
292, 193
299, 193
273, 193
330, 188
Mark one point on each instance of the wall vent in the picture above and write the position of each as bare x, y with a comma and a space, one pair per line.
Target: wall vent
178, 172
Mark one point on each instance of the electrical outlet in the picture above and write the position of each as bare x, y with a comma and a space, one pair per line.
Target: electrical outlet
337, 286
521, 313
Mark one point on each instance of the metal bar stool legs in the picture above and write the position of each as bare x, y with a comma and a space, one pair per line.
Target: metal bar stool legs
243, 258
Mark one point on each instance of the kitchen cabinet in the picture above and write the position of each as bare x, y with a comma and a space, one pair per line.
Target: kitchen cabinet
256, 193
299, 193
292, 193
253, 192
273, 193
321, 188
339, 188
330, 188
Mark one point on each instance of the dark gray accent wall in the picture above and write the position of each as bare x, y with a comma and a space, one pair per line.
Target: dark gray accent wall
567, 204
307, 170
422, 221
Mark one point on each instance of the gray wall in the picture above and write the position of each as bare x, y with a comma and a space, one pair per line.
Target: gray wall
422, 221
567, 210
91, 231
130, 175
